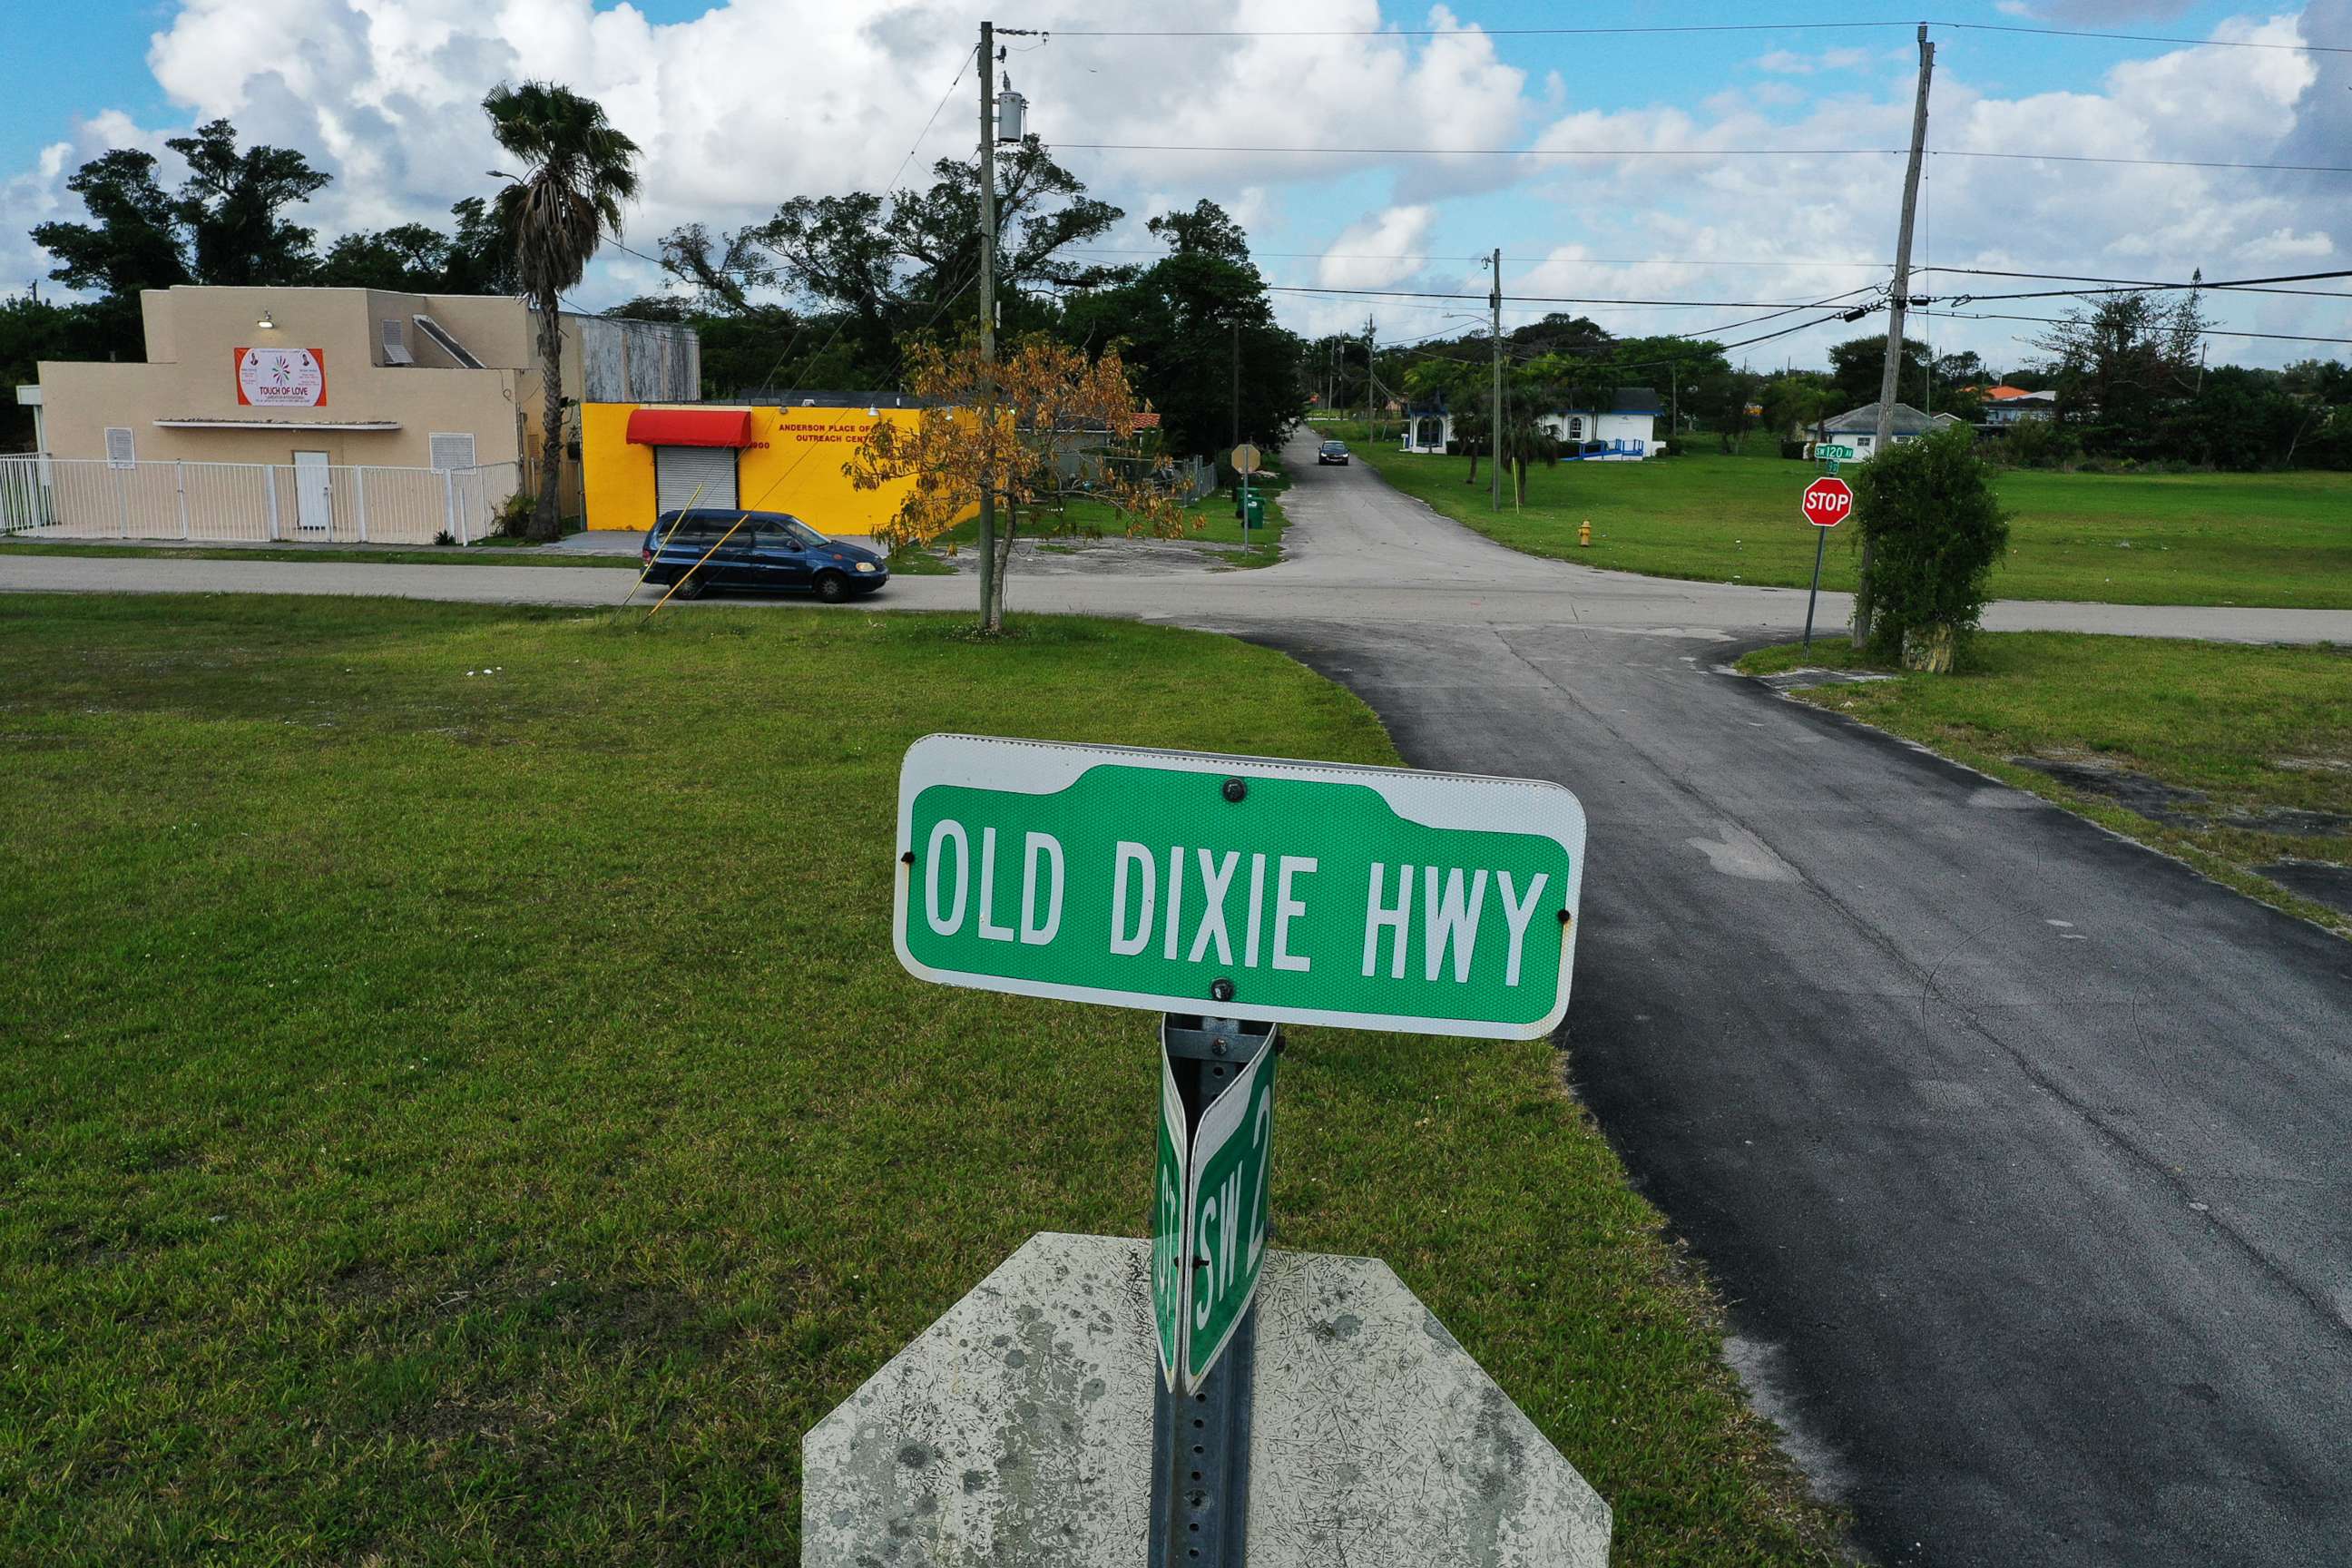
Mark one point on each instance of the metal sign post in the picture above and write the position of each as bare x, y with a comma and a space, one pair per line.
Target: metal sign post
1209, 1232
1826, 504
1246, 460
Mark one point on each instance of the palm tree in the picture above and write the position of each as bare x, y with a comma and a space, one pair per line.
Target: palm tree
578, 171
1524, 440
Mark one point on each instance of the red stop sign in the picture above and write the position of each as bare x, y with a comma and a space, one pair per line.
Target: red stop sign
1827, 501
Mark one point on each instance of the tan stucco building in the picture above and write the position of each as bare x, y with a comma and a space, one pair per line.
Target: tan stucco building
350, 377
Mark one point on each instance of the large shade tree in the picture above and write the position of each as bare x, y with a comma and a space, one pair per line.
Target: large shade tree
877, 269
1199, 334
225, 223
579, 170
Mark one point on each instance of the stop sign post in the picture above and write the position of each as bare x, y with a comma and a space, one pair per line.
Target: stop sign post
1827, 502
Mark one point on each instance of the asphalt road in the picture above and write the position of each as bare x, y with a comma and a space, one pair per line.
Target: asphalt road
2023, 1155
1359, 554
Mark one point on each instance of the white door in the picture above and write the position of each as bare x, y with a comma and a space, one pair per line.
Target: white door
677, 469
314, 491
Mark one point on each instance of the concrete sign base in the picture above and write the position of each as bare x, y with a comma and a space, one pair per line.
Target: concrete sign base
1017, 1429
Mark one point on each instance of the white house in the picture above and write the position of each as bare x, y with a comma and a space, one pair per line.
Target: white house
1625, 431
1850, 437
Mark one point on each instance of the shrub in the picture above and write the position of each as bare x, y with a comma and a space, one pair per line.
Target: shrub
2039, 443
513, 518
1935, 530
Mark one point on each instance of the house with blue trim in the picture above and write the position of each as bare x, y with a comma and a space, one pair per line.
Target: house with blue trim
1624, 432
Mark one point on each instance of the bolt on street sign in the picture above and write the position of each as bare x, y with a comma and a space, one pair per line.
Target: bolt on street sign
1256, 887
1209, 1213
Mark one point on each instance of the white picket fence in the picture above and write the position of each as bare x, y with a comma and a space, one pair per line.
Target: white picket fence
90, 497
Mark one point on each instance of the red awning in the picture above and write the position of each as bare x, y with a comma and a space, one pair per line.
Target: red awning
690, 426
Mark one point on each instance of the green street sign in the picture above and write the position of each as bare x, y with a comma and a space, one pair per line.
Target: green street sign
1283, 892
1168, 1212
1209, 1207
1829, 451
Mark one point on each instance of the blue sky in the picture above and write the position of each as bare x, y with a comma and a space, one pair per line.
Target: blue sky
794, 97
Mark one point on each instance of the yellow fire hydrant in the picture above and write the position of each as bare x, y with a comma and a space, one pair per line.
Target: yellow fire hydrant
1584, 534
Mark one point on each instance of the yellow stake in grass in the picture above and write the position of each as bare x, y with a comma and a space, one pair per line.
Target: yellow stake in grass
694, 567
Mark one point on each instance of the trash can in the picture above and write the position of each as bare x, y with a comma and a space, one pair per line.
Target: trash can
1253, 510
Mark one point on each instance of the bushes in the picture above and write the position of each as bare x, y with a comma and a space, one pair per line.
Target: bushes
1935, 531
513, 518
2039, 443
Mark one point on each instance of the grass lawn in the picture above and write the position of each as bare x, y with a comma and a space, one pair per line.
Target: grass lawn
2259, 731
476, 1118
482, 553
2134, 539
1212, 522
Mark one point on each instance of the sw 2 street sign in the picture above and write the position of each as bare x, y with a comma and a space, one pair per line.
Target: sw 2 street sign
1288, 893
1828, 503
1208, 1213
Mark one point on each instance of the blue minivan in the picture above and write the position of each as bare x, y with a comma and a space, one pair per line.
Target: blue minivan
771, 551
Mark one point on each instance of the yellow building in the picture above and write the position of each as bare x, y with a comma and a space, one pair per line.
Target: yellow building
638, 461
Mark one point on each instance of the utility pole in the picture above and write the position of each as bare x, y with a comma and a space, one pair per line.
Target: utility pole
1495, 423
1238, 380
1888, 380
988, 317
1371, 380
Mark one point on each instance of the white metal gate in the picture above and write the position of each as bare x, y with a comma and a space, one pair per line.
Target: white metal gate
78, 498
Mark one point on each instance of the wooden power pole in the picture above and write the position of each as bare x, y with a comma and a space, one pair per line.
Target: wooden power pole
1889, 379
1494, 414
988, 316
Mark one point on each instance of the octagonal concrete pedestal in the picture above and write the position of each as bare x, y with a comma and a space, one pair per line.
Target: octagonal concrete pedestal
1017, 1429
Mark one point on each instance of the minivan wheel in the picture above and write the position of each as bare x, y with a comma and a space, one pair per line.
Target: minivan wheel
694, 586
832, 587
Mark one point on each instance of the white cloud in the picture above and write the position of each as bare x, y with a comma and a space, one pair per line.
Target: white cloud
1787, 62
1381, 250
757, 100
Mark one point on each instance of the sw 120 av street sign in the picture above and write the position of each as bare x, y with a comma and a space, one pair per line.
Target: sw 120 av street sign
1210, 1188
1289, 892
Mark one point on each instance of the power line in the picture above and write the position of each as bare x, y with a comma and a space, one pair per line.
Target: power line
2241, 288
2202, 331
2145, 163
1570, 261
1619, 153
1551, 299
2146, 38
2246, 285
1489, 152
1662, 31
1452, 32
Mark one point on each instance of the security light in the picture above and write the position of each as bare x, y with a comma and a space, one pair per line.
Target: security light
265, 323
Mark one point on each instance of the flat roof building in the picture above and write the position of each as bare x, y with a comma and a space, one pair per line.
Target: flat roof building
336, 378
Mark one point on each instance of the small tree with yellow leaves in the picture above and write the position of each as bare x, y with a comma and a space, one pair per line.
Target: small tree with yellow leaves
1043, 421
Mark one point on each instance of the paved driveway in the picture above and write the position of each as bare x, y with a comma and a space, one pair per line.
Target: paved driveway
2020, 1151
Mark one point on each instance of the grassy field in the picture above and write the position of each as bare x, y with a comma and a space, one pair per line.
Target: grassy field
460, 1104
2259, 731
1211, 523
2138, 538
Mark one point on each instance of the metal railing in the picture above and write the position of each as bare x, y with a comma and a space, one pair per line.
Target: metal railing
90, 497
